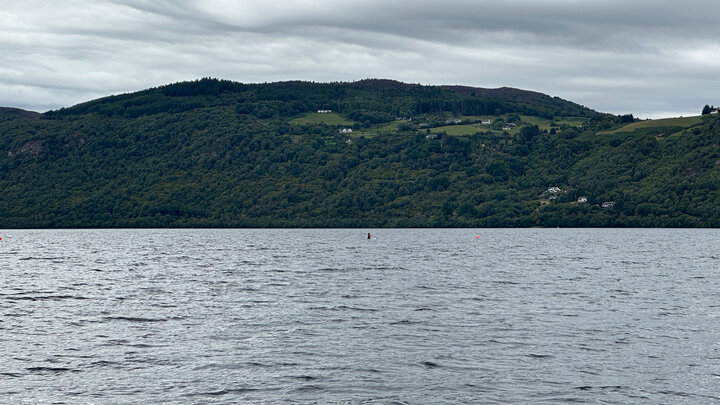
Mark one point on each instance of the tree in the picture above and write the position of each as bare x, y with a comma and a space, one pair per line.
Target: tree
706, 110
627, 118
528, 132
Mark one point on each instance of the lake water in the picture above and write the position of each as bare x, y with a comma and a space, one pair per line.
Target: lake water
327, 316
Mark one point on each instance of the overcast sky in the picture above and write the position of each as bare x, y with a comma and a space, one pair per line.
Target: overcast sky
649, 58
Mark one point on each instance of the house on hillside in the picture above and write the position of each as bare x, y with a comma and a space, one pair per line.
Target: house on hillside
554, 190
582, 200
346, 131
486, 122
608, 204
324, 111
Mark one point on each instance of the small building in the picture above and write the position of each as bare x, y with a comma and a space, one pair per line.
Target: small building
554, 190
544, 201
486, 122
324, 111
431, 136
346, 131
714, 111
608, 204
582, 200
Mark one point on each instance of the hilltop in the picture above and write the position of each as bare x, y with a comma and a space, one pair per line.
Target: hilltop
7, 113
215, 153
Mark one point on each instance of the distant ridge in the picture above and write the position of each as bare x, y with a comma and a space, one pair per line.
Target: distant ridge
500, 92
508, 92
9, 111
386, 83
415, 98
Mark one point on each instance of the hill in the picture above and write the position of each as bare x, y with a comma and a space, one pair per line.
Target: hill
214, 153
7, 113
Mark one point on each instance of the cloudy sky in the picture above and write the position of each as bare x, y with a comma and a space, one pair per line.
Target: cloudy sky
649, 58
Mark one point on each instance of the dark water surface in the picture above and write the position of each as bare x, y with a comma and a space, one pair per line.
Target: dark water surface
327, 316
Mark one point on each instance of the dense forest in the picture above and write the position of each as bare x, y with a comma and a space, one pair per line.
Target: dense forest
214, 153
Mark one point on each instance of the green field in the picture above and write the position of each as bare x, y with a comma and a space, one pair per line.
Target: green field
682, 122
392, 127
544, 123
326, 118
466, 129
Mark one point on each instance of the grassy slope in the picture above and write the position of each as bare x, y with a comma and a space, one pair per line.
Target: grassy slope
317, 118
682, 122
542, 123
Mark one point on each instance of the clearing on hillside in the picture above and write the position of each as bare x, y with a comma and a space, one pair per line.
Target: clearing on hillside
322, 118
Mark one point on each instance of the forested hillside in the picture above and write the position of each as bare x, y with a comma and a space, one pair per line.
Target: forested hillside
381, 153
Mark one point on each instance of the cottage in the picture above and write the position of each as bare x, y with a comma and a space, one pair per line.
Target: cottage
608, 204
324, 111
486, 122
346, 131
582, 200
554, 190
431, 136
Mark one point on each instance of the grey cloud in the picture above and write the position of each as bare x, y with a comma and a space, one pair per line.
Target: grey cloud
640, 57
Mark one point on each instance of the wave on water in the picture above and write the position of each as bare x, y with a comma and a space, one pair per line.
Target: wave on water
52, 259
134, 319
42, 369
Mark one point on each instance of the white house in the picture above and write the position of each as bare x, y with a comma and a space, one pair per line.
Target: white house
486, 122
346, 131
554, 190
608, 204
324, 111
582, 200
